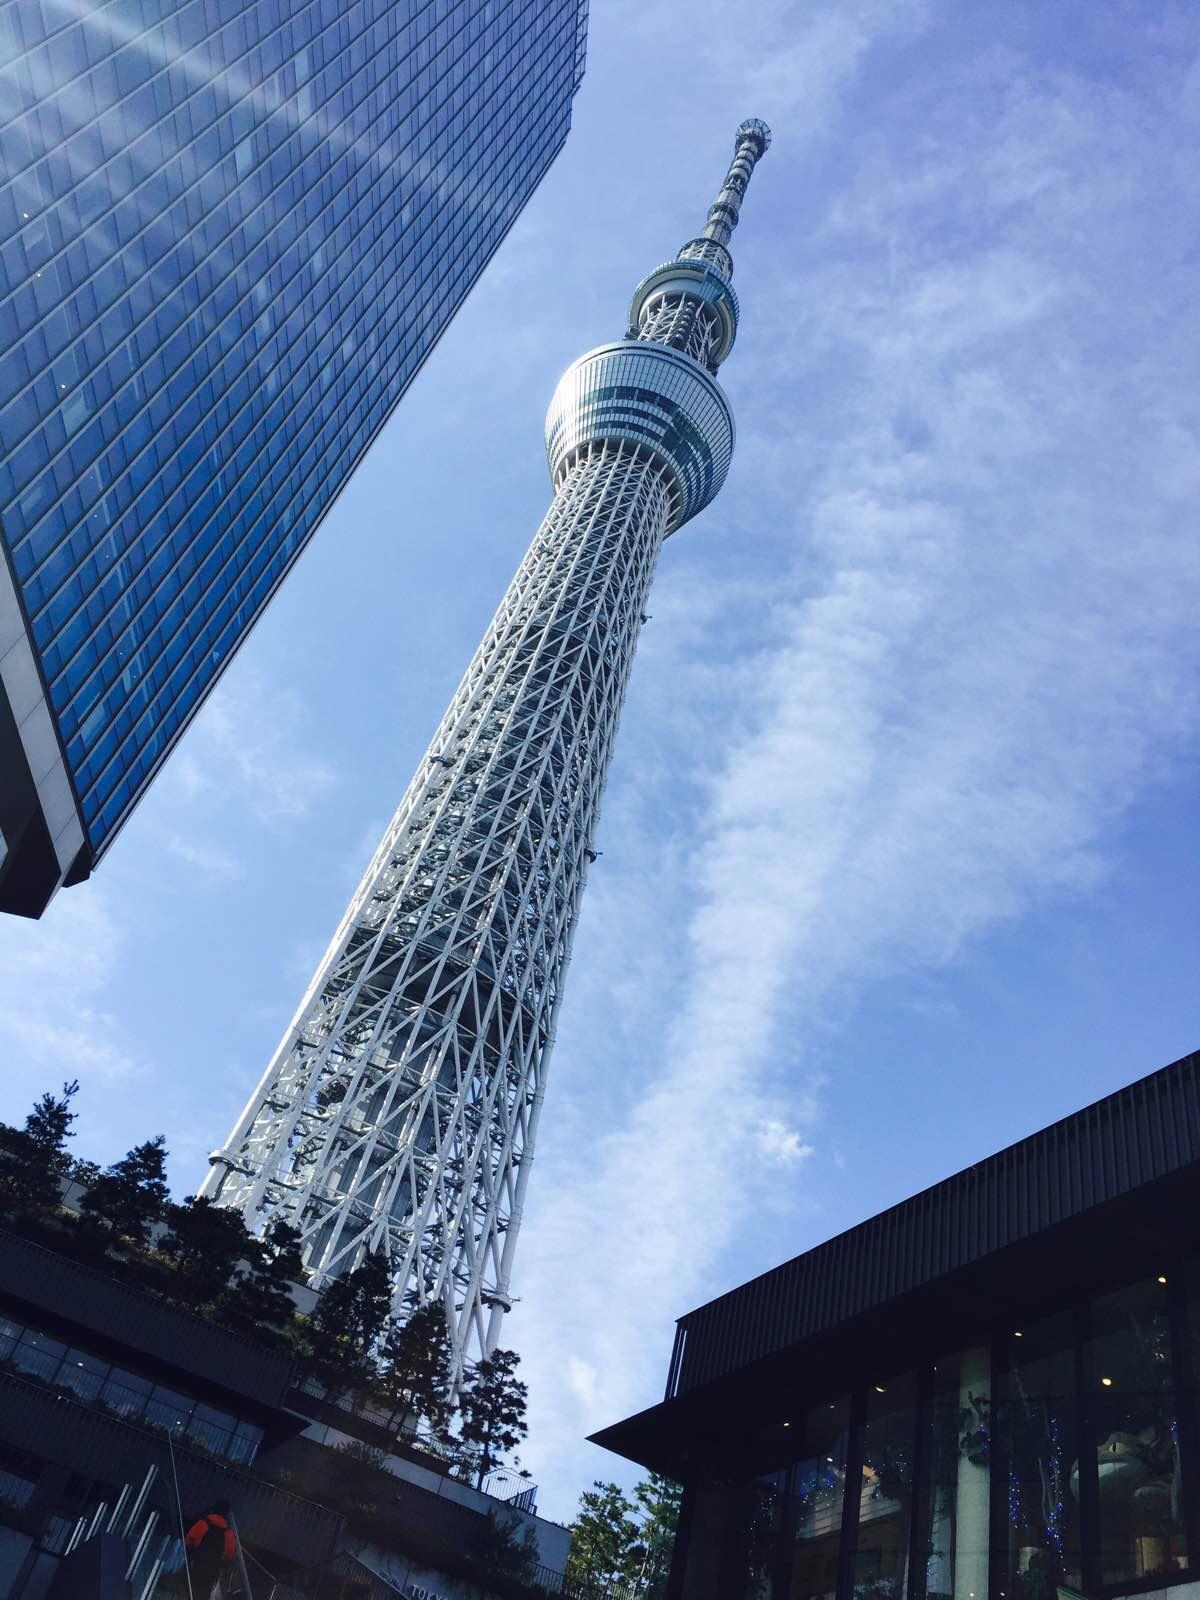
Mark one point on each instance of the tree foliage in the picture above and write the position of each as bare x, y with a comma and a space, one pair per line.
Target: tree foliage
618, 1540
604, 1537
33, 1158
504, 1548
492, 1406
258, 1299
657, 1500
414, 1366
350, 1316
132, 1194
206, 1242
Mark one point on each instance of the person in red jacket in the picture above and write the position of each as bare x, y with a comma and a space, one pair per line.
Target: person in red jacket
211, 1545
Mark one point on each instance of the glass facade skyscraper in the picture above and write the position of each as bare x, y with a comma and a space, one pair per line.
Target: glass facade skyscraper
233, 231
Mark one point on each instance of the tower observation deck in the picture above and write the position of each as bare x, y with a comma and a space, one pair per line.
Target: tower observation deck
400, 1111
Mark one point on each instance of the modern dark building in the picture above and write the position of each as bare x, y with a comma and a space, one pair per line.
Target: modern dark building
989, 1392
232, 232
123, 1416
101, 1385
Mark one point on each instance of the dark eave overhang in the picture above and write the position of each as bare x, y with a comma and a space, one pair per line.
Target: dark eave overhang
1090, 1201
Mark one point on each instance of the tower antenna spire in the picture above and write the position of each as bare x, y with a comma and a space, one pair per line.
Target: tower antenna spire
752, 141
689, 303
400, 1111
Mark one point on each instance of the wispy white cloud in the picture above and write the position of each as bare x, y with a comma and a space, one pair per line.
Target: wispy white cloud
250, 748
54, 976
781, 1144
978, 655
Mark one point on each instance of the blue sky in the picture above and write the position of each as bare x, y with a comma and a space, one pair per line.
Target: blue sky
899, 848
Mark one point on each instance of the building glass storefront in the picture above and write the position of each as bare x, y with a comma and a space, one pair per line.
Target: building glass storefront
989, 1391
1059, 1455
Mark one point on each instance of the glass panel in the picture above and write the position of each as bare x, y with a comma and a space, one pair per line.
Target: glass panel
246, 1440
753, 1553
125, 1393
816, 1492
168, 1409
211, 1429
38, 1355
708, 1520
954, 1500
83, 1374
10, 1332
886, 1496
1038, 1426
1136, 1432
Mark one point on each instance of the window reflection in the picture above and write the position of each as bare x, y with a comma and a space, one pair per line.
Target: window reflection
816, 1493
886, 1492
1038, 1427
954, 1500
759, 1511
1134, 1407
37, 1354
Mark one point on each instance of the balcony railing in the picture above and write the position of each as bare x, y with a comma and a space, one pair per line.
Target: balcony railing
99, 1303
62, 1432
381, 1430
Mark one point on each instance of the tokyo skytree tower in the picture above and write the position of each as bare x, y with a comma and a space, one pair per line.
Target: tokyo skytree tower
400, 1110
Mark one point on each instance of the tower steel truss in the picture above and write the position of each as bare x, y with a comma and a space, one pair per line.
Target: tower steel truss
400, 1111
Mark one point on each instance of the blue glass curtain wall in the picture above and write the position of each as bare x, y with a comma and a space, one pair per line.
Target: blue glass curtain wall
1059, 1455
232, 234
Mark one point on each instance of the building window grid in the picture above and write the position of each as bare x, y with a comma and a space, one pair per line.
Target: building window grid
352, 101
30, 1353
414, 351
343, 380
1182, 1319
247, 266
420, 350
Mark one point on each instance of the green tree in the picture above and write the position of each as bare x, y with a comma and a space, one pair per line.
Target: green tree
414, 1368
131, 1194
258, 1300
605, 1543
345, 1327
33, 1158
492, 1409
658, 1500
281, 1244
206, 1242
503, 1548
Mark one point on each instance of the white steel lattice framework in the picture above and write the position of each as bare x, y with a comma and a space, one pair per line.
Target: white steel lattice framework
400, 1110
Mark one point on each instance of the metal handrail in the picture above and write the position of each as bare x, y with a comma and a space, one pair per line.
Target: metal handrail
113, 1280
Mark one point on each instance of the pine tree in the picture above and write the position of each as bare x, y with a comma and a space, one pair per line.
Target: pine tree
414, 1378
131, 1194
605, 1546
206, 1242
32, 1158
281, 1246
504, 1548
259, 1299
350, 1316
658, 1500
492, 1408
